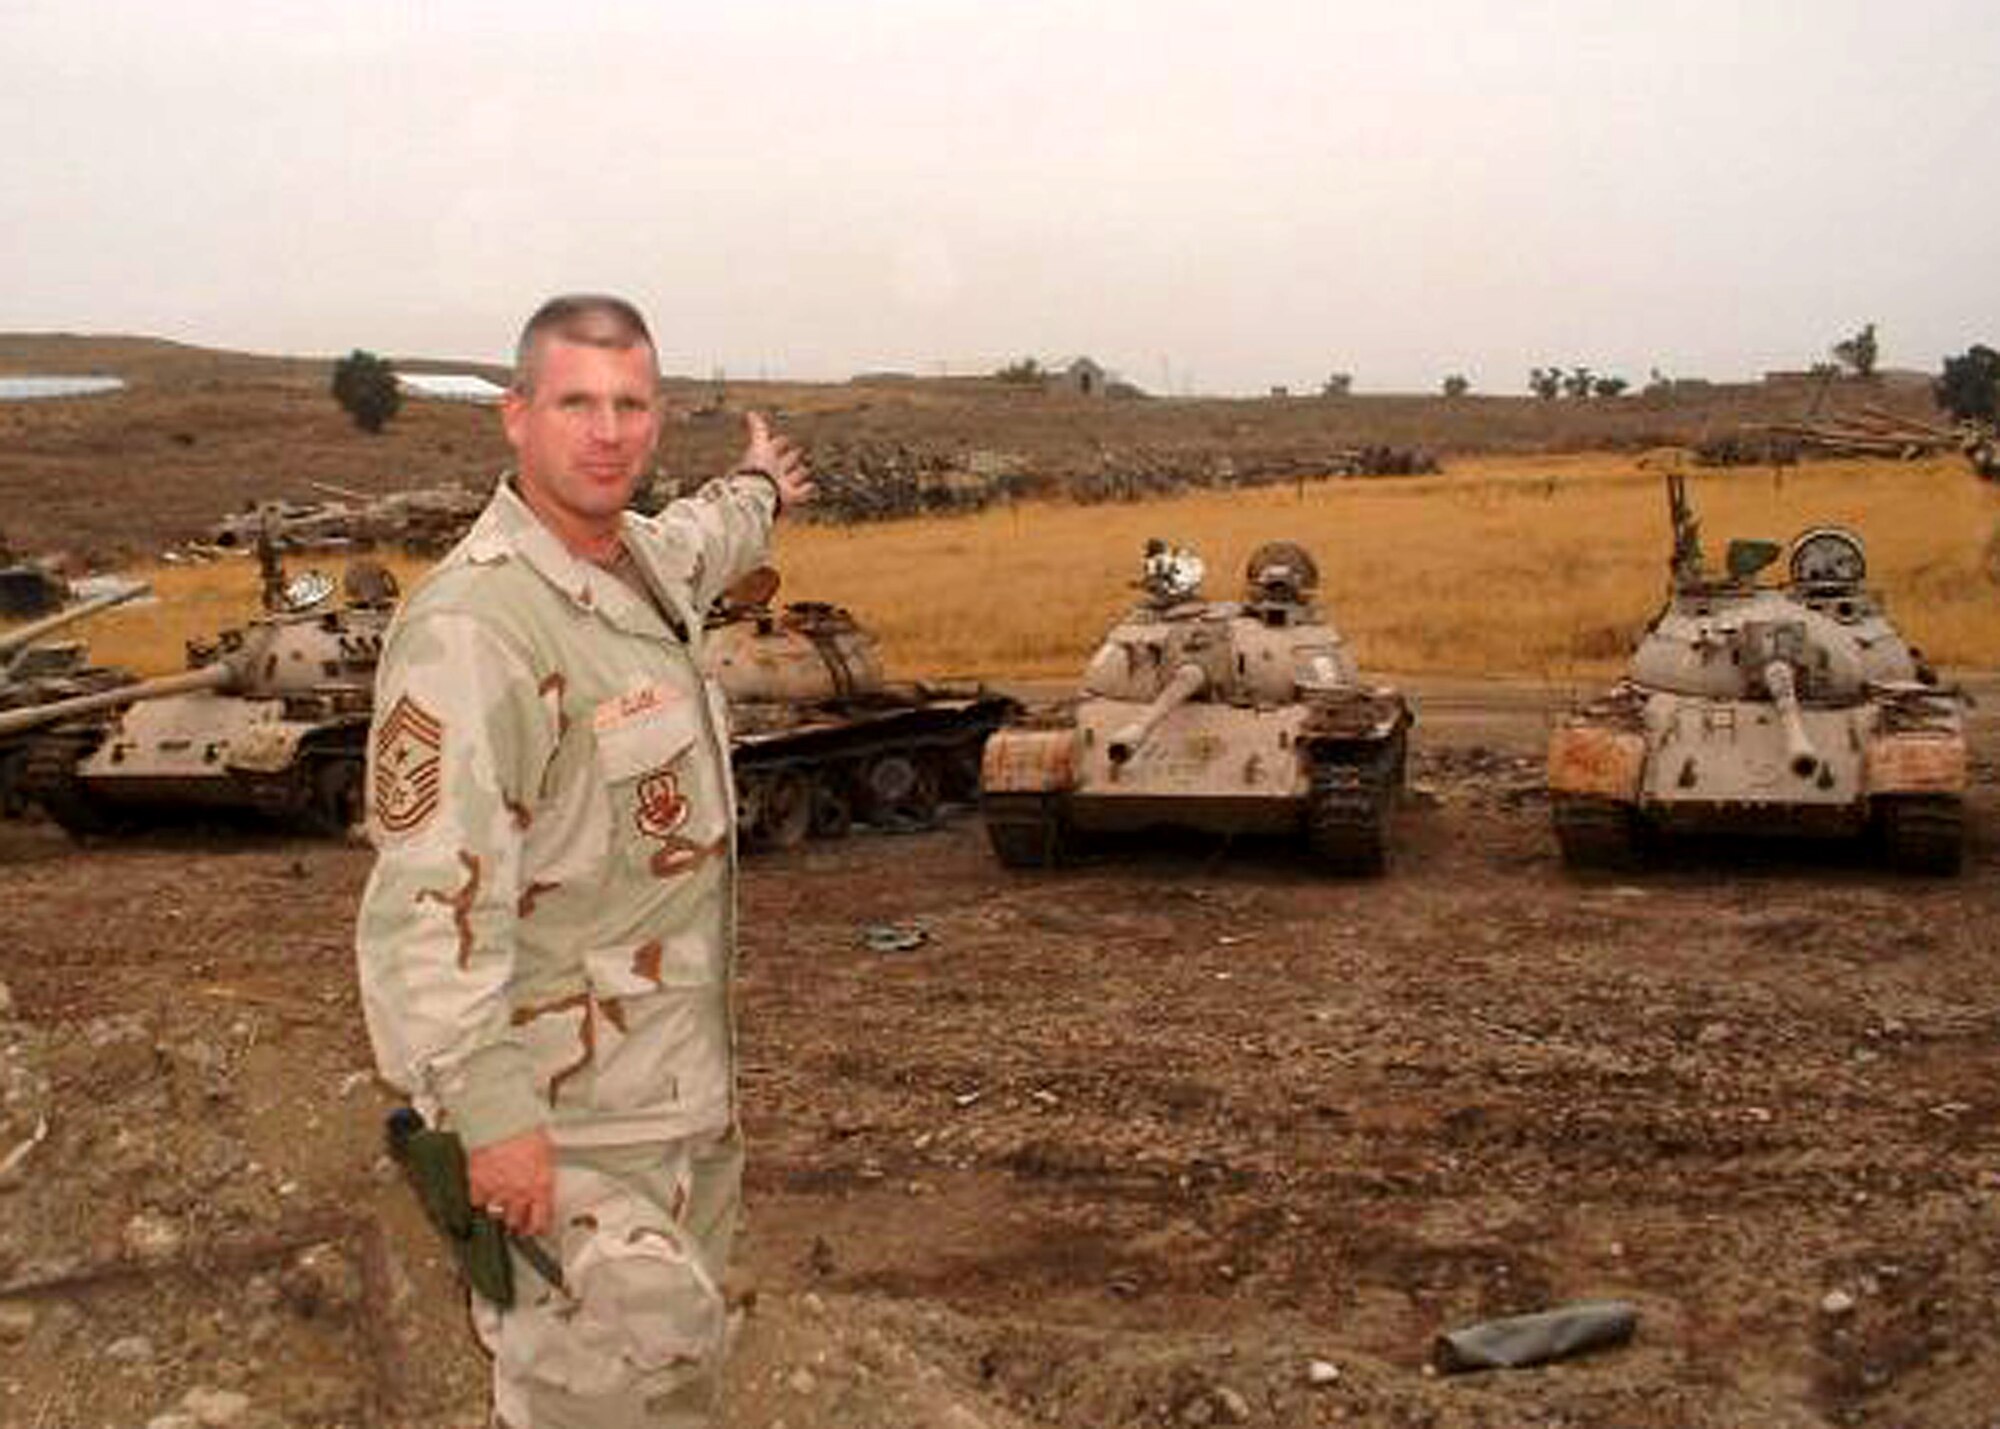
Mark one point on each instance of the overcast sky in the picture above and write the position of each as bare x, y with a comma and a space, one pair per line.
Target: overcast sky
1209, 197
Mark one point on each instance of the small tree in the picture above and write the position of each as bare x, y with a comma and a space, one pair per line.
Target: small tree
1337, 384
1027, 372
365, 385
1608, 386
1858, 353
1969, 387
1457, 385
1546, 382
1577, 383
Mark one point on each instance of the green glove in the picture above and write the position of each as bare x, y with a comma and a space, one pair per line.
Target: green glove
434, 1161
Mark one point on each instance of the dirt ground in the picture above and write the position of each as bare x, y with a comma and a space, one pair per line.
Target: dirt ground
1184, 1135
1138, 1142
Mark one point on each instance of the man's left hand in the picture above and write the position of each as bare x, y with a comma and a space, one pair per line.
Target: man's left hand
780, 457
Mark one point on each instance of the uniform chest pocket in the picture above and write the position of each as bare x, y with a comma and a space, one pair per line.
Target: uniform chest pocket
643, 740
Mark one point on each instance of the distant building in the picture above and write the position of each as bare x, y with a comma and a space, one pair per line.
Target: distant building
1083, 377
450, 387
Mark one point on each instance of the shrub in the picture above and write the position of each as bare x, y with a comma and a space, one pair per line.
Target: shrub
365, 385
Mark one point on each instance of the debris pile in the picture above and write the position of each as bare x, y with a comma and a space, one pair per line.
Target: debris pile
426, 520
1870, 432
883, 481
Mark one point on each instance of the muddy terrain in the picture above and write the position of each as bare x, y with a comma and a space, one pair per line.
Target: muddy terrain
1186, 1135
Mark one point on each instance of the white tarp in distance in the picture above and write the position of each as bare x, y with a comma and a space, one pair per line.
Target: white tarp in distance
449, 386
29, 389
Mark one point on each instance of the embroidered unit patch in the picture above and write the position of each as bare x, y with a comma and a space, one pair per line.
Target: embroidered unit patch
661, 809
409, 766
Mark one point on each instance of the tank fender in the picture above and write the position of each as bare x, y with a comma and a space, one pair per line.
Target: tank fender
1355, 713
1914, 763
1604, 763
1029, 761
269, 748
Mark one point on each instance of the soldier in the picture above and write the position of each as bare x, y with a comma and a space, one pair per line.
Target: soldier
546, 945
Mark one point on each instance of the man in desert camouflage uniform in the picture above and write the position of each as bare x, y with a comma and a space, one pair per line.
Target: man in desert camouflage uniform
546, 946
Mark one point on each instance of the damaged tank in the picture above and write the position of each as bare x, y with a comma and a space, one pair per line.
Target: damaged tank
269, 719
820, 737
34, 674
1754, 707
1235, 717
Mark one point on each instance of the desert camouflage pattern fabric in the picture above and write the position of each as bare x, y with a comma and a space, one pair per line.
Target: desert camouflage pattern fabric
636, 1335
547, 937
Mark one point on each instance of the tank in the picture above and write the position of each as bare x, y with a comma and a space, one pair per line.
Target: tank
1230, 716
820, 736
269, 719
34, 674
1757, 706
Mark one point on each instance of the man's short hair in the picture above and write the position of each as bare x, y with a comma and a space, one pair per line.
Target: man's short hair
593, 319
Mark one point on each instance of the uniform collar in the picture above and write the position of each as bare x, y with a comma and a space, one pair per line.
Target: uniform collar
509, 528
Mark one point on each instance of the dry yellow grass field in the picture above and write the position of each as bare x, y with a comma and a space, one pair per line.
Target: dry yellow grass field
1544, 567
1533, 566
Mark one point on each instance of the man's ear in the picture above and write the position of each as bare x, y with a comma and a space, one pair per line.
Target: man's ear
513, 416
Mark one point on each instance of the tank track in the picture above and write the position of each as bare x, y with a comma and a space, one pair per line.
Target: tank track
47, 778
1352, 806
893, 773
1026, 830
1595, 833
1922, 834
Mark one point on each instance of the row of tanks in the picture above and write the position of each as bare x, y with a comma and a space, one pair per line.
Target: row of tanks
1750, 706
271, 718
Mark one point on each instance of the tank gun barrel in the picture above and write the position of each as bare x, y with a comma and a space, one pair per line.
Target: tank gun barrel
23, 636
1800, 756
1685, 563
1187, 682
209, 677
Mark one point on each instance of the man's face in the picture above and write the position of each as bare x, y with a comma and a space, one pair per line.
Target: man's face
584, 438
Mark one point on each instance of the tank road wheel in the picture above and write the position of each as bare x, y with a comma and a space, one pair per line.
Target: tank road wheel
1595, 833
832, 806
48, 778
1026, 830
1922, 833
899, 792
1352, 807
14, 799
785, 810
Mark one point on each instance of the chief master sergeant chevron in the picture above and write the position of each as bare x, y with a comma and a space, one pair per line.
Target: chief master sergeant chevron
546, 945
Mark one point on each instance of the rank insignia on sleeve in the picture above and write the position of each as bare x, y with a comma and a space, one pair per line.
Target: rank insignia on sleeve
409, 766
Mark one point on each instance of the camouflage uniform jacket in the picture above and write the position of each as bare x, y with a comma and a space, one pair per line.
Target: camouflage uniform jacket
548, 935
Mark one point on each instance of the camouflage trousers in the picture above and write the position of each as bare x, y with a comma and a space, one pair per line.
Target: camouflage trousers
635, 1339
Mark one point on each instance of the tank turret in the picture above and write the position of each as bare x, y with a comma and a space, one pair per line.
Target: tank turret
820, 735
1182, 686
1241, 716
269, 718
1758, 706
34, 676
16, 643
